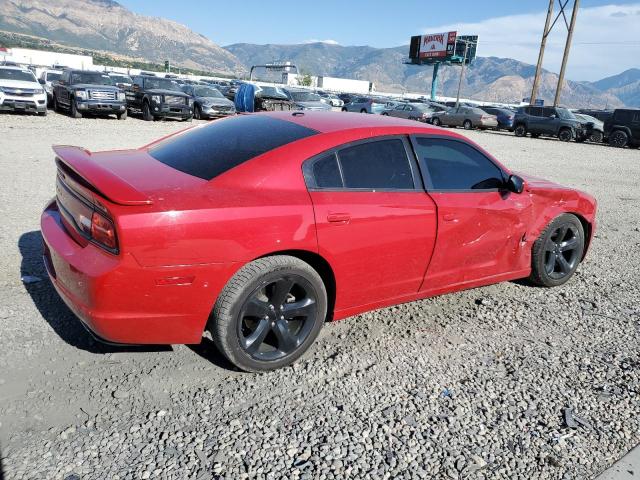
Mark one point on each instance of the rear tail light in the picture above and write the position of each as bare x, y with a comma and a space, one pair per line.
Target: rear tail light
103, 231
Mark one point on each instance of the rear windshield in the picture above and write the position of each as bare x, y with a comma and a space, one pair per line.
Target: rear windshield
211, 150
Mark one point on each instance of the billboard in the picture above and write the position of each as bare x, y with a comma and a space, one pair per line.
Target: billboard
437, 45
471, 43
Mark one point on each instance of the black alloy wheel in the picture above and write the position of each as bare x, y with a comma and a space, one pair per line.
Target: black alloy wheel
520, 131
565, 135
596, 137
467, 125
618, 139
269, 313
561, 251
277, 318
558, 251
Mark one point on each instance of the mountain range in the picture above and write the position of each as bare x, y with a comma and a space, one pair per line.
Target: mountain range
107, 26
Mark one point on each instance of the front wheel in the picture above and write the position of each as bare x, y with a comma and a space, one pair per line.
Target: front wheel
565, 135
618, 139
146, 112
364, 110
344, 109
558, 251
73, 111
269, 313
122, 116
197, 112
596, 137
520, 131
436, 121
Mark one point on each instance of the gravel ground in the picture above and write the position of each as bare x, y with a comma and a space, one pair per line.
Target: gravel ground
468, 385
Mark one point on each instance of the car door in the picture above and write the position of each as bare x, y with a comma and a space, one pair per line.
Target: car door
538, 124
375, 223
634, 126
62, 89
481, 226
454, 116
398, 111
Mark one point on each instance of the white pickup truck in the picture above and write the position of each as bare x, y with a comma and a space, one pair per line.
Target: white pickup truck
21, 92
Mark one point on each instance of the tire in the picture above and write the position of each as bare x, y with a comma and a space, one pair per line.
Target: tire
467, 125
43, 114
197, 112
364, 110
344, 109
535, 135
596, 137
56, 106
188, 119
618, 139
73, 109
122, 116
251, 304
147, 116
565, 135
520, 130
436, 121
558, 251
385, 114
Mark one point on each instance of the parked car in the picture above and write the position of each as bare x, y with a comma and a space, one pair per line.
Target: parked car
158, 97
81, 92
121, 80
365, 105
272, 232
21, 92
348, 97
623, 127
306, 100
601, 115
330, 99
411, 111
595, 126
208, 102
549, 121
467, 117
503, 115
47, 77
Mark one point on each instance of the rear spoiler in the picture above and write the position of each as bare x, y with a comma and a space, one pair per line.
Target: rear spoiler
100, 178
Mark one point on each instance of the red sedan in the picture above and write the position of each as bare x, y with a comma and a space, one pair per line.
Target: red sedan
261, 227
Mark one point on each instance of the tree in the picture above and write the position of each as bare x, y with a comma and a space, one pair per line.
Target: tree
306, 80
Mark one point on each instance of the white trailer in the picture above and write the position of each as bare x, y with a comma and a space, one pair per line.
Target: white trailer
350, 85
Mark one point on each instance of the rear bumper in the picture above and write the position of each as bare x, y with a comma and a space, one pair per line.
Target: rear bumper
120, 301
488, 123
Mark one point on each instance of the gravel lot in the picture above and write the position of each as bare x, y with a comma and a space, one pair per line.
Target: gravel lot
469, 385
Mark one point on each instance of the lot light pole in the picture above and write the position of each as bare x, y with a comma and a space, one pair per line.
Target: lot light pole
567, 48
464, 60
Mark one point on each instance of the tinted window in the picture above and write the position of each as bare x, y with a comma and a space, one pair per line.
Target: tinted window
454, 165
326, 173
208, 151
376, 165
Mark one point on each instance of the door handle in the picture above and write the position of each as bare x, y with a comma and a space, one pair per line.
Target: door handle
338, 218
449, 217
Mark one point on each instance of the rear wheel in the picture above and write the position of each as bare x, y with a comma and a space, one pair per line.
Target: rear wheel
197, 112
385, 114
565, 135
364, 110
520, 130
56, 107
146, 112
558, 251
618, 139
436, 121
344, 109
467, 125
269, 313
122, 116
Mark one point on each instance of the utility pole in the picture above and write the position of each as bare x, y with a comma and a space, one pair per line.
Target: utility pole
567, 48
464, 60
543, 43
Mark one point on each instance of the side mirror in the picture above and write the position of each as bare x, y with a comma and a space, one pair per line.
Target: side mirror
515, 184
41, 81
553, 115
135, 87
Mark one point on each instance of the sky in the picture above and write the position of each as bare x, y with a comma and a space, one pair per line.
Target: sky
605, 41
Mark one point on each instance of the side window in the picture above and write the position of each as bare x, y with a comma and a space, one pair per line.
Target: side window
374, 165
455, 165
324, 173
400, 107
65, 77
636, 117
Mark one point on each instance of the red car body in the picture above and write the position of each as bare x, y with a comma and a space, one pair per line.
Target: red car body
181, 238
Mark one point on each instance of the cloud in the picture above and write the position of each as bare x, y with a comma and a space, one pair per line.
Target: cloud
605, 40
328, 41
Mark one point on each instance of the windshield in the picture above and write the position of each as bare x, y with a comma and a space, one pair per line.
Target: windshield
53, 76
207, 92
161, 84
121, 78
272, 92
566, 114
21, 75
305, 97
93, 78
